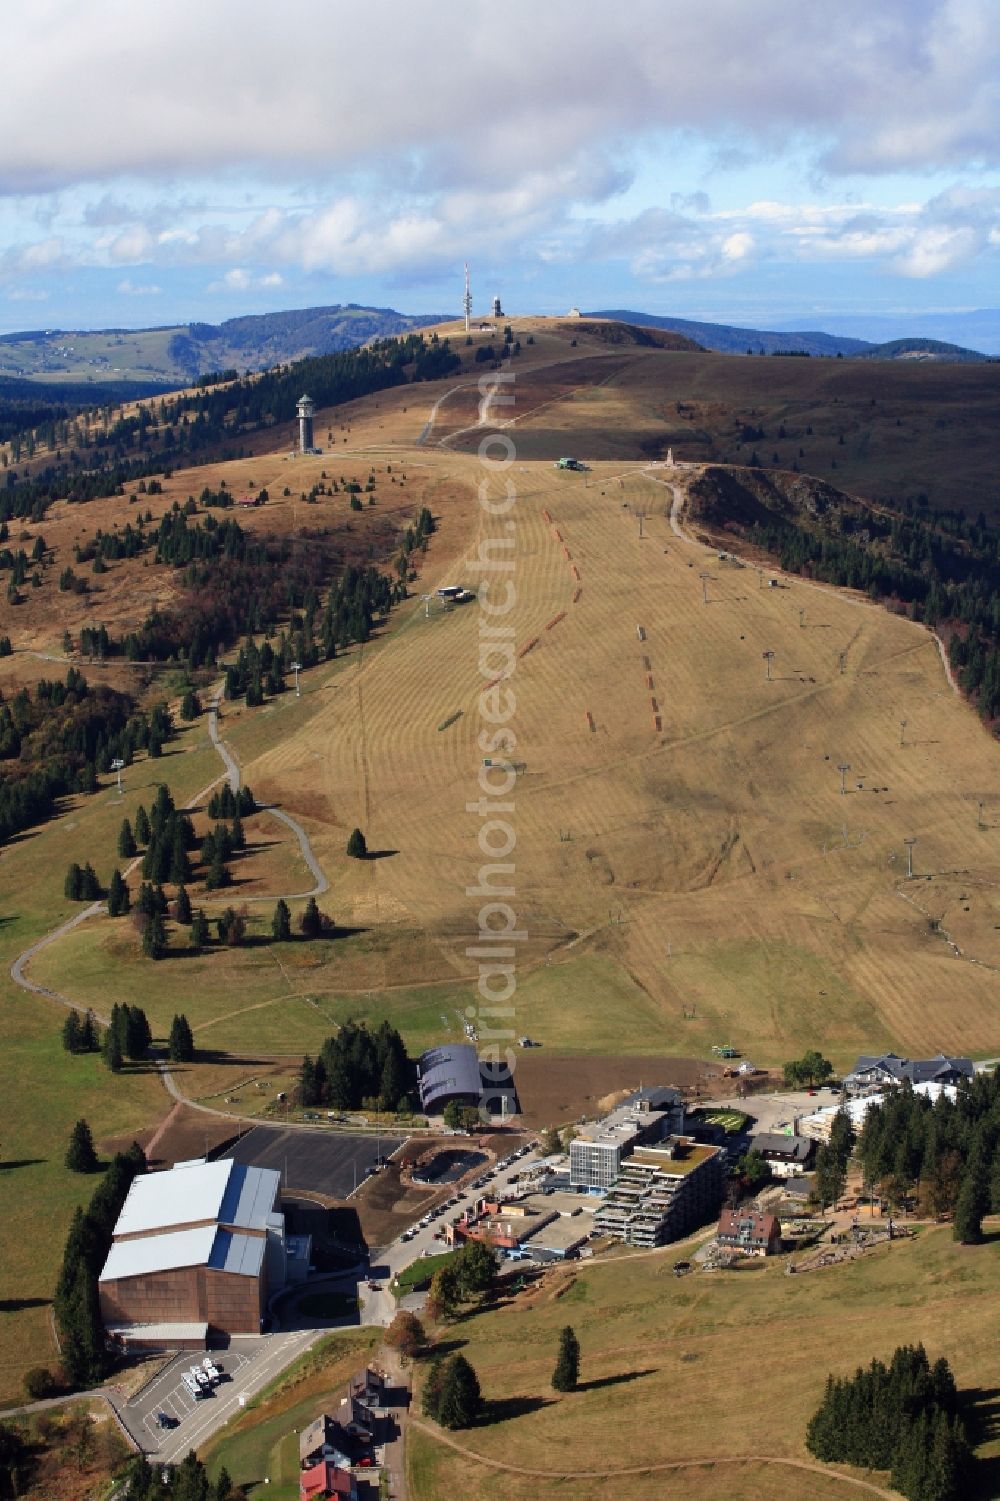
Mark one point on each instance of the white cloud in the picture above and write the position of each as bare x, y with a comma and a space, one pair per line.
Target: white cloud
243, 83
142, 289
239, 279
909, 239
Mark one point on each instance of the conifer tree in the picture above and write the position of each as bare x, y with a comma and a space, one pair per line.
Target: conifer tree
460, 1401
71, 1033
126, 841
200, 935
182, 905
80, 1154
154, 937
142, 829
138, 1033
567, 1371
89, 1040
119, 900
357, 847
112, 1050
181, 1043
311, 921
72, 886
281, 922
431, 1395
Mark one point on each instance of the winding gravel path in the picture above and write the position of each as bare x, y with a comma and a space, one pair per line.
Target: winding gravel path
662, 1467
232, 776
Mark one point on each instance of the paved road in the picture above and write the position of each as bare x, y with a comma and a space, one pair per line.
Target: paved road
378, 1306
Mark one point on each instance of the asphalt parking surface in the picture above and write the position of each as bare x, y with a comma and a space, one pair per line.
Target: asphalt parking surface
325, 1161
246, 1365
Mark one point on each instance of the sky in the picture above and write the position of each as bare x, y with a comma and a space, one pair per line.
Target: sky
771, 163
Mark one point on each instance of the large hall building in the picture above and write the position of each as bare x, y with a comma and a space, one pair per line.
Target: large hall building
196, 1254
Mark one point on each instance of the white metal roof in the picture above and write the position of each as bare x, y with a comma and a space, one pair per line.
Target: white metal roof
199, 1192
159, 1253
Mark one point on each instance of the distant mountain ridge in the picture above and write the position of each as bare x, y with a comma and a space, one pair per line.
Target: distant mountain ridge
178, 355
118, 364
727, 338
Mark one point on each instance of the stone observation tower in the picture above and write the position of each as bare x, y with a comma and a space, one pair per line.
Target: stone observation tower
305, 410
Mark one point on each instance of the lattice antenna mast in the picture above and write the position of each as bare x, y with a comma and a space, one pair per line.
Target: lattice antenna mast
468, 301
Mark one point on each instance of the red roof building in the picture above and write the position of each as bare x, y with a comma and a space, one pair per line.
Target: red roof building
750, 1232
326, 1480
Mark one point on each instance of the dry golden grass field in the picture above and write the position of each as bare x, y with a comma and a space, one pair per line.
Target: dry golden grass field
706, 881
726, 1367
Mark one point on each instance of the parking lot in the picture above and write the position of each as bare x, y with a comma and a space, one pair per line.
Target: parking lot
323, 1160
174, 1400
245, 1366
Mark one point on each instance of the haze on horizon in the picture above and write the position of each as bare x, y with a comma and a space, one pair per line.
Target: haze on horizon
750, 164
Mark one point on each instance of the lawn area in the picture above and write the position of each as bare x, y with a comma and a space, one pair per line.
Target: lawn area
436, 1472
45, 1090
419, 1272
260, 1444
658, 1338
588, 1004
753, 994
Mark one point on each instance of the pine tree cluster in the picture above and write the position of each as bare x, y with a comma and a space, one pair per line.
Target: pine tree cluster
904, 1418
76, 1302
357, 1066
81, 883
171, 837
947, 1152
80, 1033
451, 1393
128, 1034
225, 803
68, 734
187, 1481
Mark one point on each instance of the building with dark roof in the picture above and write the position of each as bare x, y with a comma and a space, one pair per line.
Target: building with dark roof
196, 1252
749, 1232
449, 1073
876, 1071
786, 1156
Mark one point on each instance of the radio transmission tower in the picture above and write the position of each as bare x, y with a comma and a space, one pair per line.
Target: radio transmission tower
843, 768
768, 659
909, 857
468, 301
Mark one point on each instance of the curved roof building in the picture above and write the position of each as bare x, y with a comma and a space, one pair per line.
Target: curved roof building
449, 1073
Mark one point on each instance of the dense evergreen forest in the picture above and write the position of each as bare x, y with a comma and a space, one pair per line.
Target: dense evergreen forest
904, 1417
57, 739
358, 1069
945, 1155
